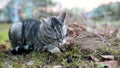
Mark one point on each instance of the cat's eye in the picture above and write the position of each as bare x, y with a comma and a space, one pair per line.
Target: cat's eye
49, 28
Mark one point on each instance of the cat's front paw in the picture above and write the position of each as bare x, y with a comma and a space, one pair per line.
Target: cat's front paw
55, 50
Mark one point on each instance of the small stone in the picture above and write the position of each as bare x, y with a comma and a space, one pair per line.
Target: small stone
30, 63
8, 65
57, 66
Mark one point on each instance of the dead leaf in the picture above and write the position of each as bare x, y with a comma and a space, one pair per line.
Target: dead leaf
75, 24
71, 31
3, 47
107, 57
95, 59
109, 64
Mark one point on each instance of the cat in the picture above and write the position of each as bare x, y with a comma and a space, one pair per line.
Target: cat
39, 35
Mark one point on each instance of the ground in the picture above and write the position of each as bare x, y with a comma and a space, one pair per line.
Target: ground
85, 48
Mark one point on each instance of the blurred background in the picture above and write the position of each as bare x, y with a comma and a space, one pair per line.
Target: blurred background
80, 10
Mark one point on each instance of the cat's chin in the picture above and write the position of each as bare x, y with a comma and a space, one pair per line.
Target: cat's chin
63, 42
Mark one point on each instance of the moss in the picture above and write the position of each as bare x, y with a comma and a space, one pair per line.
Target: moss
2, 65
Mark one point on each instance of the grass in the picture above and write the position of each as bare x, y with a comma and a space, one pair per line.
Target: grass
4, 32
71, 57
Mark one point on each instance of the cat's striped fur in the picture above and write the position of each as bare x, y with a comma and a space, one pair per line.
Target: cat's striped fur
39, 35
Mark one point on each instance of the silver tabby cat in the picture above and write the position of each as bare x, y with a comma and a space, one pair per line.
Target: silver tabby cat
39, 35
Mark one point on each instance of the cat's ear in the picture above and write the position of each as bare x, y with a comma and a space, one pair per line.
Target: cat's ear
62, 16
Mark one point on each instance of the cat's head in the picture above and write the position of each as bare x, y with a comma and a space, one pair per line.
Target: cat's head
57, 19
54, 27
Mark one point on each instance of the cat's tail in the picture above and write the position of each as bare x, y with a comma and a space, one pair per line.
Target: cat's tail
19, 50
